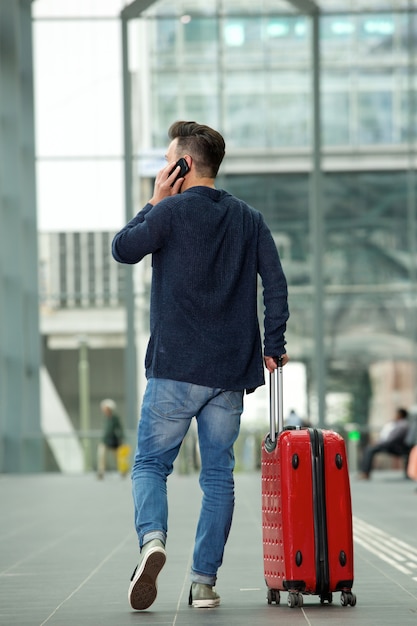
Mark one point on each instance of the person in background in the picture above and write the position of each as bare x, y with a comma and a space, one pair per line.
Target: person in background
392, 440
293, 419
112, 435
208, 248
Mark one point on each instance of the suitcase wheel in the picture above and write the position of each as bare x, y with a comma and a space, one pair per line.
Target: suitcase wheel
347, 597
273, 595
326, 597
295, 599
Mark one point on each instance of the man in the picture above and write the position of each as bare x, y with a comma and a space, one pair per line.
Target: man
112, 435
392, 440
204, 351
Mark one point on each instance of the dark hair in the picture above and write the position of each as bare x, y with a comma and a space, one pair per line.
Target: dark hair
205, 145
403, 413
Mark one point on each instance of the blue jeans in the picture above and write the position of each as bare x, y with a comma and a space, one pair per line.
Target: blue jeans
167, 410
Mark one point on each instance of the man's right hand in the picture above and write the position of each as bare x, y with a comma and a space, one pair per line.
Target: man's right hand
163, 181
271, 364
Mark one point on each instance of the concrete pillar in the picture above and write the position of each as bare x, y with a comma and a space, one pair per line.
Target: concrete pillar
20, 434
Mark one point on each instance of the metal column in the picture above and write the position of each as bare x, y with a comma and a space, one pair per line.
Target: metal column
411, 189
309, 7
317, 230
130, 12
131, 384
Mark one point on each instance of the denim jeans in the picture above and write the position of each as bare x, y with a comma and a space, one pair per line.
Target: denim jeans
167, 410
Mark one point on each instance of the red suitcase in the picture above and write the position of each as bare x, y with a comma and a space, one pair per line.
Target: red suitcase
306, 511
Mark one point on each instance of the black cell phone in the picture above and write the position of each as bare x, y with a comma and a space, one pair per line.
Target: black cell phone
183, 169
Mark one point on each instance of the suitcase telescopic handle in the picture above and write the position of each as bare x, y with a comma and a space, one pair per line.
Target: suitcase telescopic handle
276, 411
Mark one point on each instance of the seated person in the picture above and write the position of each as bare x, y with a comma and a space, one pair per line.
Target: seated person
391, 440
293, 419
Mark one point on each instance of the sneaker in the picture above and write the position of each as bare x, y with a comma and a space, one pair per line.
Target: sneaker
203, 596
143, 587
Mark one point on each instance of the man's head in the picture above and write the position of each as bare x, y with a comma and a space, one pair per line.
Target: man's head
204, 145
402, 414
108, 407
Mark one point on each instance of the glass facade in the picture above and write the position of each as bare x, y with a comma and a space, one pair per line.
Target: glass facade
245, 69
250, 76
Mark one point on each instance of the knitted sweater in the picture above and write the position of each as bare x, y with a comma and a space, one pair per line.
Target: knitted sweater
208, 248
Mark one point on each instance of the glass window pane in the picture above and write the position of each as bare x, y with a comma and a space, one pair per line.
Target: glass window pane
367, 224
201, 82
288, 120
80, 195
78, 87
203, 109
200, 37
243, 41
376, 34
406, 32
375, 117
283, 200
335, 119
189, 96
244, 123
408, 120
287, 40
337, 34
163, 43
265, 40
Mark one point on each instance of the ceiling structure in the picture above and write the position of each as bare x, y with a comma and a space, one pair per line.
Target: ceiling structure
247, 7
349, 6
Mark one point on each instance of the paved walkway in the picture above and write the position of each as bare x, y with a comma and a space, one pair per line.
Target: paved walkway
67, 549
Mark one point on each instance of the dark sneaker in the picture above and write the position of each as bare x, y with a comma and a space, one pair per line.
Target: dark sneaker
143, 587
203, 596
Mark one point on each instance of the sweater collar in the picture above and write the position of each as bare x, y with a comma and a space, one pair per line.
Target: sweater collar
209, 192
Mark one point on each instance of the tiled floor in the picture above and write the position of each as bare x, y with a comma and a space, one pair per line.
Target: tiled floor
67, 549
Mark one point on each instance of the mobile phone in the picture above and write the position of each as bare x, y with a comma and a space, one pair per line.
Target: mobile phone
183, 169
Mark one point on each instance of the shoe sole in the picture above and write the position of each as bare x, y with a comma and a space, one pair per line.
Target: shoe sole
209, 603
143, 588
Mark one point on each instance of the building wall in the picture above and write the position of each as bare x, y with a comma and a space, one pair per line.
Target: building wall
106, 375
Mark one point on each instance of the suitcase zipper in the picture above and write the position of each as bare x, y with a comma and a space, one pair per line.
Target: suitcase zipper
319, 507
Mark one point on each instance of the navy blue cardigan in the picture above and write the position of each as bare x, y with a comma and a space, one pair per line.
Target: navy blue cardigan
208, 248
